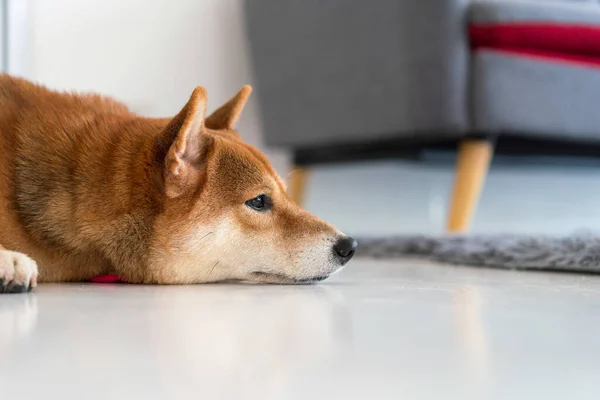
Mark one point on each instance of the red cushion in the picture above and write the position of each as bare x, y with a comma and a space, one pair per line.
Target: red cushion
576, 40
106, 279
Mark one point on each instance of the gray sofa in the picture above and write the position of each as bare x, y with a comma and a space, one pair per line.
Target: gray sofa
335, 77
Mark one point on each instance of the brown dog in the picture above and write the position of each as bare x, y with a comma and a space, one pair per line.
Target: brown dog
88, 188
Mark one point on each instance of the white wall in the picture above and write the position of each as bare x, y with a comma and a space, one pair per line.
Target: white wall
148, 53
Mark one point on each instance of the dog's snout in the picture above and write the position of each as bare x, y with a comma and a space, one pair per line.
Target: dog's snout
345, 248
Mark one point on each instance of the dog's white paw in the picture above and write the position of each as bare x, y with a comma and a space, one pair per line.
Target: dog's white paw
18, 272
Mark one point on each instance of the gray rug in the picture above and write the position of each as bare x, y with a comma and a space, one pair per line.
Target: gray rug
579, 252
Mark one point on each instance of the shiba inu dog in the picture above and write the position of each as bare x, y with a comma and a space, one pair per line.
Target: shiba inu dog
88, 188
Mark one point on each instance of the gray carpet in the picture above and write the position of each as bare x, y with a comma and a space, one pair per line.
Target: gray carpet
579, 252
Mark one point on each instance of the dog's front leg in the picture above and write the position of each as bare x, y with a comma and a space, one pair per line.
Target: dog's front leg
18, 272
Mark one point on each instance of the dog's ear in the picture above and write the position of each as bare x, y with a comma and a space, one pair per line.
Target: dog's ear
182, 164
226, 116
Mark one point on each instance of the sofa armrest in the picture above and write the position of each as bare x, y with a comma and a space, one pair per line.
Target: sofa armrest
349, 71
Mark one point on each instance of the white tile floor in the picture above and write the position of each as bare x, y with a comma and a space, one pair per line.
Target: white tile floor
379, 330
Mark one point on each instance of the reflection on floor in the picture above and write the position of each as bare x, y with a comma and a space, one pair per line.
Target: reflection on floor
380, 330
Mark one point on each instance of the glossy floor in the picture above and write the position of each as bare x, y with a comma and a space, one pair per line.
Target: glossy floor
378, 330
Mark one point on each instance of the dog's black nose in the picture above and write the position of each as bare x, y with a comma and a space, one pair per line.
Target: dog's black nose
345, 248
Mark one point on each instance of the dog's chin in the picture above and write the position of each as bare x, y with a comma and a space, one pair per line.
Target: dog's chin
281, 279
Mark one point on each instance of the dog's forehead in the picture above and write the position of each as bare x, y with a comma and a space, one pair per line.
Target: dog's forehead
241, 163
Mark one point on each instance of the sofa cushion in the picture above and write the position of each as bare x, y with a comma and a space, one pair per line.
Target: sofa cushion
533, 97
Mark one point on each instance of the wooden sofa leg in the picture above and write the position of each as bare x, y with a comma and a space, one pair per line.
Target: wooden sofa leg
297, 186
474, 157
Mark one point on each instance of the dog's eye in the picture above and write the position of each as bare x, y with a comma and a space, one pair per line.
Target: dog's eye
260, 203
